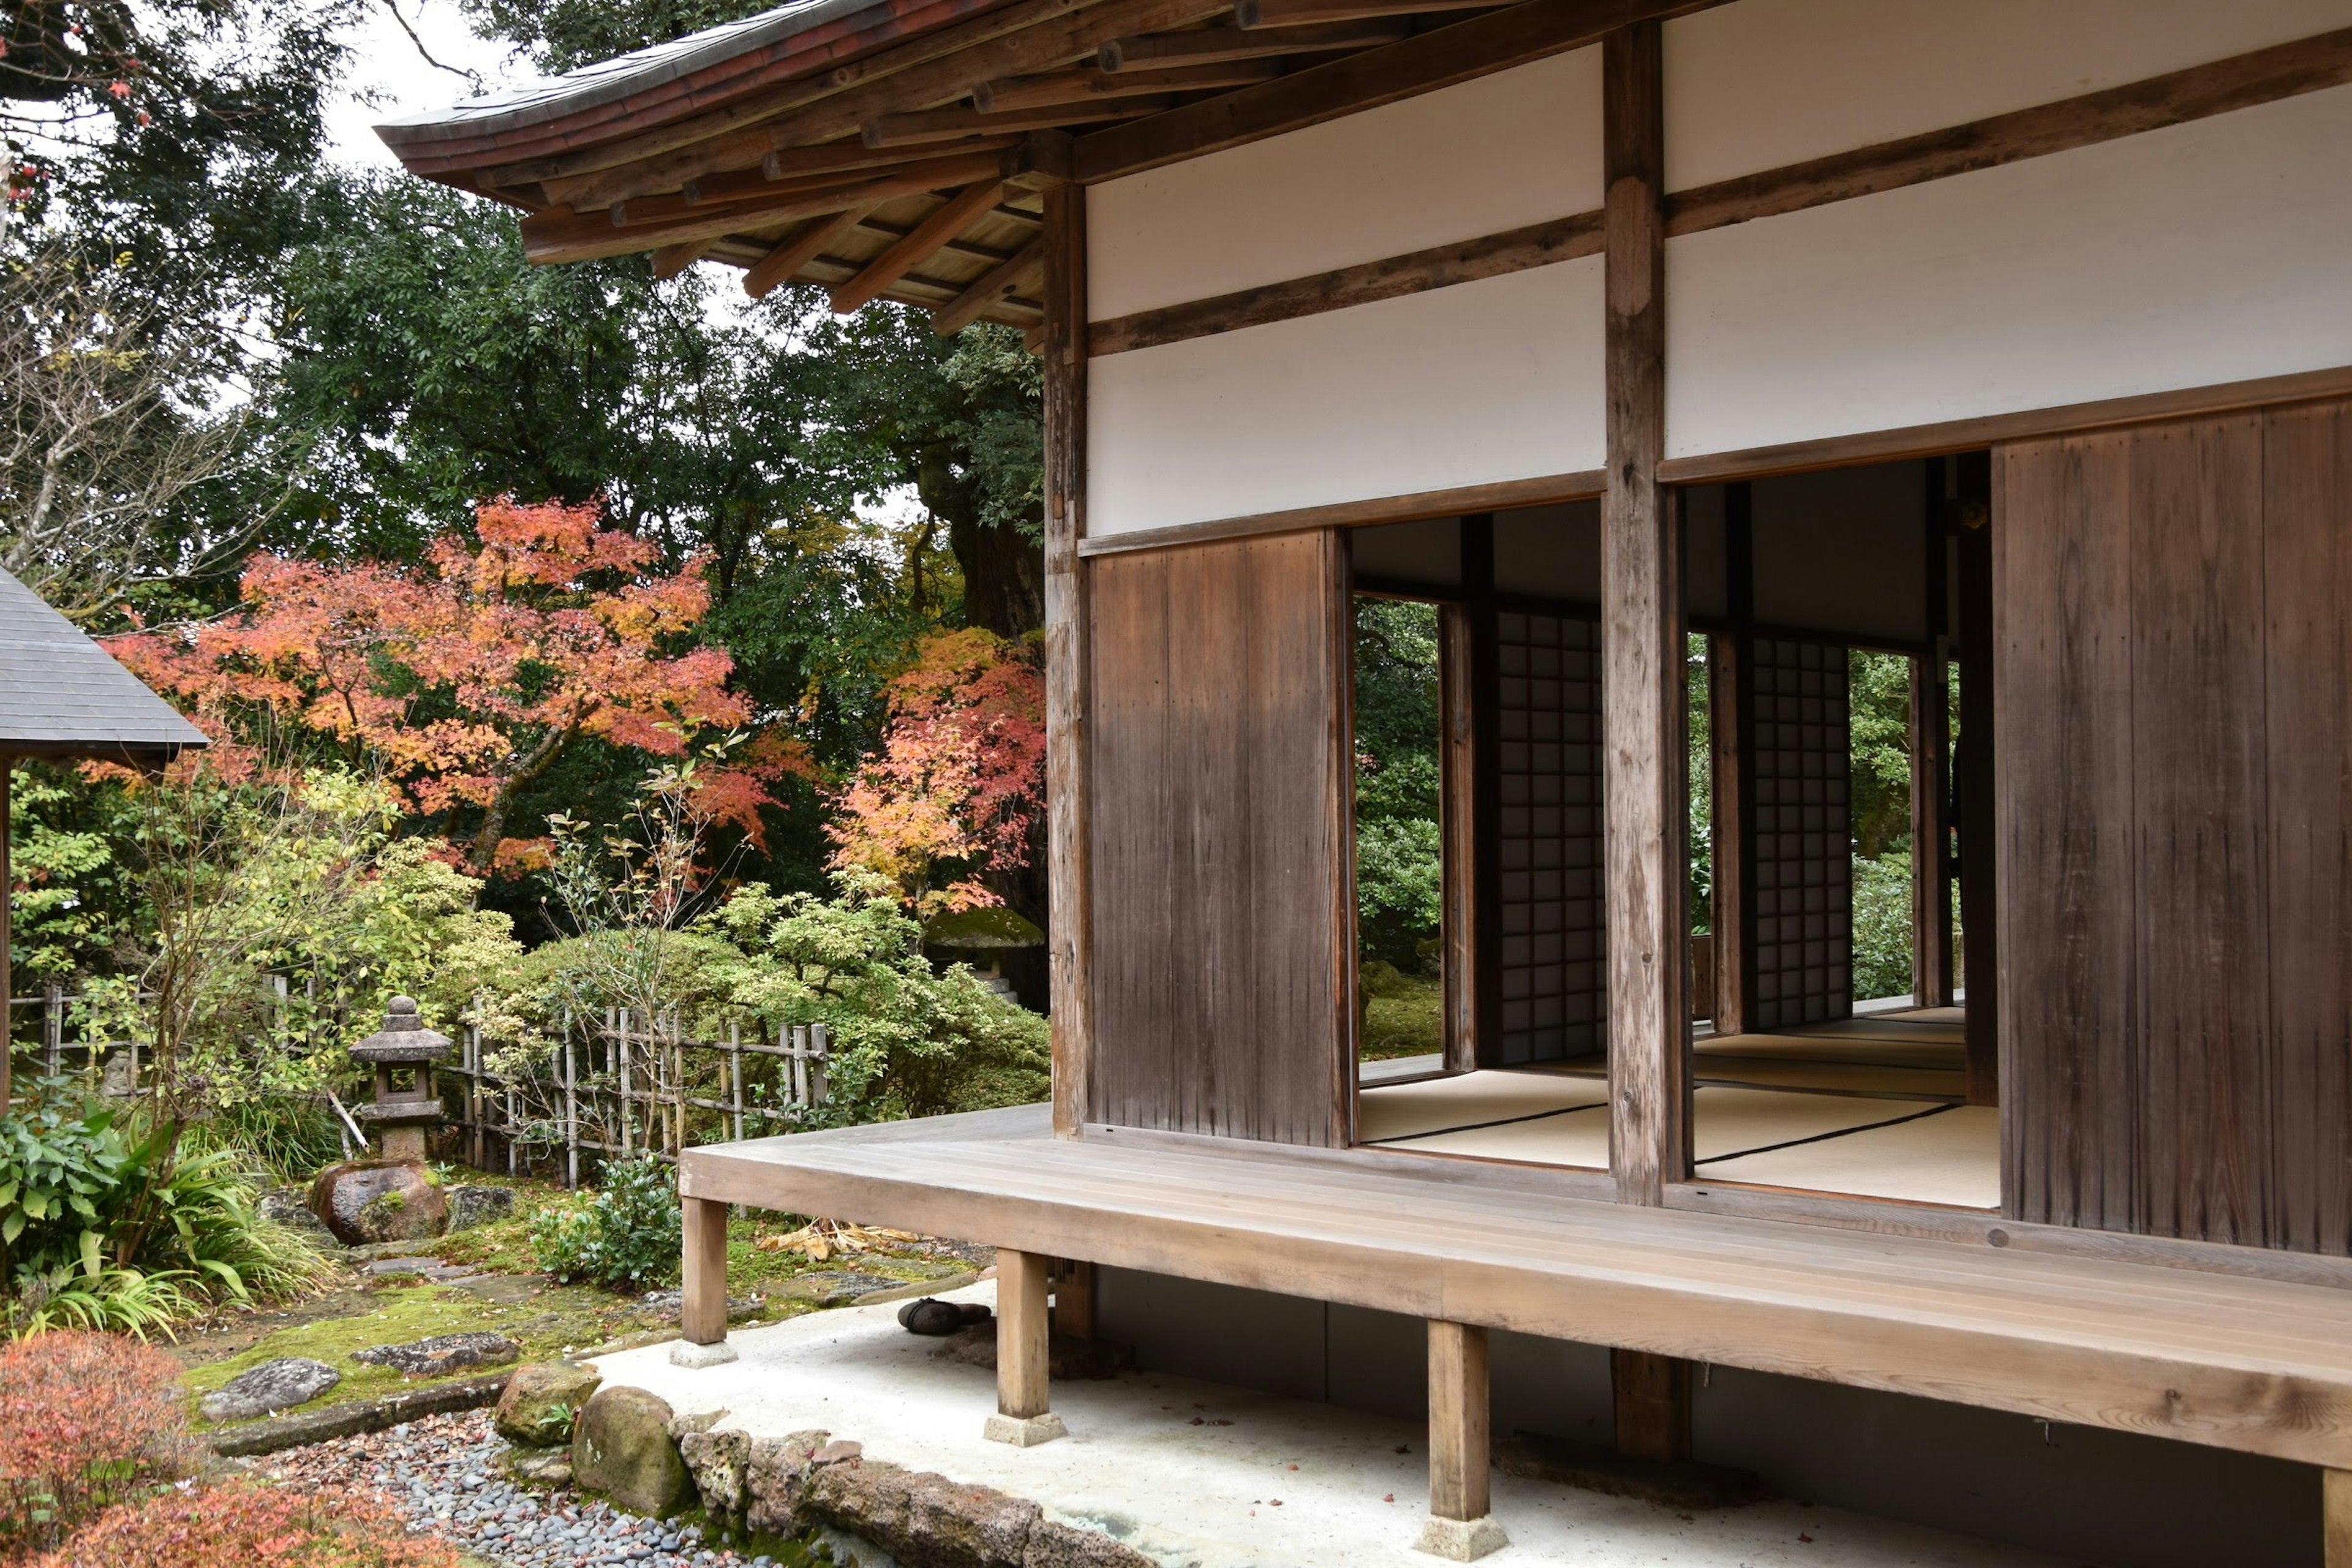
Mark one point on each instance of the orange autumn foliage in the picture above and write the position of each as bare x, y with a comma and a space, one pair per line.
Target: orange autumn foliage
250, 1525
959, 782
85, 1420
468, 679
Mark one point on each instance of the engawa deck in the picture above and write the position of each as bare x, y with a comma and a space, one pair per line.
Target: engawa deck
2261, 1365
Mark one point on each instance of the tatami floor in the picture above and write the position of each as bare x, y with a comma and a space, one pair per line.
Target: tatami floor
1868, 1107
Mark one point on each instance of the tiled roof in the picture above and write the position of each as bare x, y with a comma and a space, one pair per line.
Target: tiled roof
62, 695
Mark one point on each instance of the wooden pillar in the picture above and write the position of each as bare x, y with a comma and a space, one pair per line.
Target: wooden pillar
703, 1316
1023, 1418
1069, 875
1730, 699
1653, 1396
1073, 1299
2336, 1505
1973, 769
1463, 932
1646, 876
1931, 773
1460, 1527
1486, 826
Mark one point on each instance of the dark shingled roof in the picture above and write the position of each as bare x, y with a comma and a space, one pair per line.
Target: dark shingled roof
62, 696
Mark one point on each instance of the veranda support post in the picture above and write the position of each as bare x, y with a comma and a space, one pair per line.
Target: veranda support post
1023, 1418
703, 1315
1460, 1527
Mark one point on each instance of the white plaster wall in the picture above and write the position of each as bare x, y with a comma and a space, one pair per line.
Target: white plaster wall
1764, 83
2209, 252
1499, 379
1500, 153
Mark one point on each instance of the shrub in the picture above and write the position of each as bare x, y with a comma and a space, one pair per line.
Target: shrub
626, 1234
244, 1524
86, 1421
1882, 926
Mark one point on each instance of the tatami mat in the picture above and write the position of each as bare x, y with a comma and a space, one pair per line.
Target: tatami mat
1949, 1157
1827, 1072
1726, 1120
1470, 1099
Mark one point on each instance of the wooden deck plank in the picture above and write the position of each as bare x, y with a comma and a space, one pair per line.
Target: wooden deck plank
2261, 1365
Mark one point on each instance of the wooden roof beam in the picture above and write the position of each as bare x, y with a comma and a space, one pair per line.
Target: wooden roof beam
780, 264
1211, 45
798, 165
553, 236
959, 213
1088, 83
1253, 14
672, 260
991, 290
945, 124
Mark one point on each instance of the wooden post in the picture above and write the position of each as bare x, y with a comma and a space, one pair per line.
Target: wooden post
703, 1316
1931, 771
1068, 877
1460, 1525
1457, 790
1025, 1417
1646, 874
571, 1109
735, 1071
1073, 1299
1653, 1396
1732, 700
1486, 826
1973, 766
2335, 1503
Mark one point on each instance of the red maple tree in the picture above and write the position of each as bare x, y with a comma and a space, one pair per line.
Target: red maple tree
466, 680
959, 782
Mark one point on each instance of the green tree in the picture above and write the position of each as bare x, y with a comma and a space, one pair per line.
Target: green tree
1400, 881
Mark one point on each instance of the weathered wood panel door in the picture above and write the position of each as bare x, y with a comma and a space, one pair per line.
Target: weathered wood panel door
2174, 695
1224, 931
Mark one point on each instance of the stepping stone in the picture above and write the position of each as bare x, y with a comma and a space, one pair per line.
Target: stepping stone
442, 1354
272, 1386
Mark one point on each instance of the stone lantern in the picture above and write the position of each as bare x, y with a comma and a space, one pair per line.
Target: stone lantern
403, 1048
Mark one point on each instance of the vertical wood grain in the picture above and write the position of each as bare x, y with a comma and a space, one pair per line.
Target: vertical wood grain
2336, 1521
1067, 836
2307, 601
1646, 877
1220, 843
1458, 1421
703, 1315
1485, 786
1462, 935
1653, 1398
1931, 768
1976, 766
1023, 1334
1734, 708
2066, 942
2198, 792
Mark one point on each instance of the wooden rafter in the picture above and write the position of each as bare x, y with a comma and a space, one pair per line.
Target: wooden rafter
1251, 15
801, 163
959, 213
947, 125
672, 260
564, 236
1068, 36
992, 287
780, 264
1086, 84
1207, 45
1533, 30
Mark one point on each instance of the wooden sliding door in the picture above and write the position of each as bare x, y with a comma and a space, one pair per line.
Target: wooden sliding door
2174, 691
1223, 908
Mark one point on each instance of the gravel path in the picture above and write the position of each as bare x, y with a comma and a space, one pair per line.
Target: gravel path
443, 1472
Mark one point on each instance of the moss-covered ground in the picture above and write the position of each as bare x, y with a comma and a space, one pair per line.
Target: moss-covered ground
1405, 1017
508, 1295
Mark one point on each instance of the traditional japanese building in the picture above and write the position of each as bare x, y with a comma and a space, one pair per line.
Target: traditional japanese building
2012, 341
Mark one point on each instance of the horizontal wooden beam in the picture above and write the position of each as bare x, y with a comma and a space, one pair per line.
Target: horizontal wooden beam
1255, 14
1533, 30
1544, 489
1463, 261
924, 125
672, 260
780, 265
2219, 87
1066, 35
559, 237
1205, 45
954, 215
993, 285
1089, 83
803, 163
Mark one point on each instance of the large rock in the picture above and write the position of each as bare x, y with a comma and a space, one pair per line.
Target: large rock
272, 1386
777, 1484
719, 1461
288, 1209
621, 1447
542, 1401
442, 1354
470, 1207
364, 1201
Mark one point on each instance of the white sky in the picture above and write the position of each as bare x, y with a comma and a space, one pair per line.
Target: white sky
389, 79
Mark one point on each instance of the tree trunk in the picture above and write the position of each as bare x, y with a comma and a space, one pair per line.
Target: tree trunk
1004, 564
